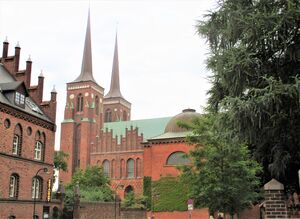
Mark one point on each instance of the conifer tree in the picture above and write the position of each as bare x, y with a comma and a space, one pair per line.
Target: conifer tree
255, 64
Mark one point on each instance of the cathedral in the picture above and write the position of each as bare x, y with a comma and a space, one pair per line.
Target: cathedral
97, 130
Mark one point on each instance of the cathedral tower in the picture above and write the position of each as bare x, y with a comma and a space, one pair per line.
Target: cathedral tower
116, 108
83, 116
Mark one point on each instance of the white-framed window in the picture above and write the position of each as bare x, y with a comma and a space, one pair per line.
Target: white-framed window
19, 98
13, 186
15, 146
38, 150
36, 188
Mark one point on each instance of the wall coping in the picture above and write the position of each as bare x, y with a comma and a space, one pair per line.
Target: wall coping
273, 185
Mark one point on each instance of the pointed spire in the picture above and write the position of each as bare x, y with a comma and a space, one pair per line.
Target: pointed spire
115, 81
86, 67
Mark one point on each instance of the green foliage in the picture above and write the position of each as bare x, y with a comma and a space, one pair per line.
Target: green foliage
94, 186
133, 201
147, 183
255, 61
60, 160
170, 194
223, 175
91, 177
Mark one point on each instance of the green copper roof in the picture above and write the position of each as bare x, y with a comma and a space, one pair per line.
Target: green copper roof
149, 127
171, 135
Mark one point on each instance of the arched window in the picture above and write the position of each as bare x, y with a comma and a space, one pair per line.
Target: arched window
113, 165
11, 217
37, 188
130, 168
122, 169
14, 186
105, 166
97, 105
39, 147
178, 158
124, 115
108, 117
79, 106
138, 167
17, 141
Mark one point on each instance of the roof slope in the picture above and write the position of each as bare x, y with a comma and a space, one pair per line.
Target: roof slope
9, 83
149, 127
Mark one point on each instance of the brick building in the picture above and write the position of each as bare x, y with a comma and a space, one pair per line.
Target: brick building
27, 132
97, 130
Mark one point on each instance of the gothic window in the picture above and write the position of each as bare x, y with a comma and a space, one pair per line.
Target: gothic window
79, 103
38, 150
97, 105
130, 168
178, 158
122, 169
108, 114
14, 186
39, 147
17, 141
105, 166
124, 115
138, 167
113, 164
36, 191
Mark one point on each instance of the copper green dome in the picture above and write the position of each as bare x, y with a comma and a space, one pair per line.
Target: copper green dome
187, 115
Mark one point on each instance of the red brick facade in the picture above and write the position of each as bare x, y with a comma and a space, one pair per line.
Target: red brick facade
26, 143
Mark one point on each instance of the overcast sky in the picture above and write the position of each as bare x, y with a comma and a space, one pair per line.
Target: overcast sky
161, 58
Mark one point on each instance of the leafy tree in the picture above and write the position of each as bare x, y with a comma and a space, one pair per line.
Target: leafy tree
93, 184
255, 61
223, 175
133, 201
60, 162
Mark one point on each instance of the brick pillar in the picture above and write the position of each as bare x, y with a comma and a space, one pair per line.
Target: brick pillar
275, 201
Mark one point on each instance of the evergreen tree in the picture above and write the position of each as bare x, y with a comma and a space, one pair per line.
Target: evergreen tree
255, 61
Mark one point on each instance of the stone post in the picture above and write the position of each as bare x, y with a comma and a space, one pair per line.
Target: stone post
275, 201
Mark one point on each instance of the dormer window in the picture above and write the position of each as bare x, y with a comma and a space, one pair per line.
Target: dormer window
19, 98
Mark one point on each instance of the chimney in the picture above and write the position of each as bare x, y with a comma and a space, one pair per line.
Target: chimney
28, 71
5, 48
53, 94
53, 104
17, 57
41, 86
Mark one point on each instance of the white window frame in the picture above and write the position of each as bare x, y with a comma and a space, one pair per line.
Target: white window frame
12, 186
36, 187
15, 146
38, 150
19, 98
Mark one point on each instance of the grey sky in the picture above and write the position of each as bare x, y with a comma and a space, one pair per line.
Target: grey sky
161, 58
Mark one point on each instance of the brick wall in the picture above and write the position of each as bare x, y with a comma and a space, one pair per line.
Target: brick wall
106, 210
196, 213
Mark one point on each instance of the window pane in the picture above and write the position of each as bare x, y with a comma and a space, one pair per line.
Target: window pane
130, 168
38, 150
12, 186
35, 188
15, 144
106, 168
178, 158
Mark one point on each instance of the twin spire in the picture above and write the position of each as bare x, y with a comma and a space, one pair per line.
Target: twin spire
87, 66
